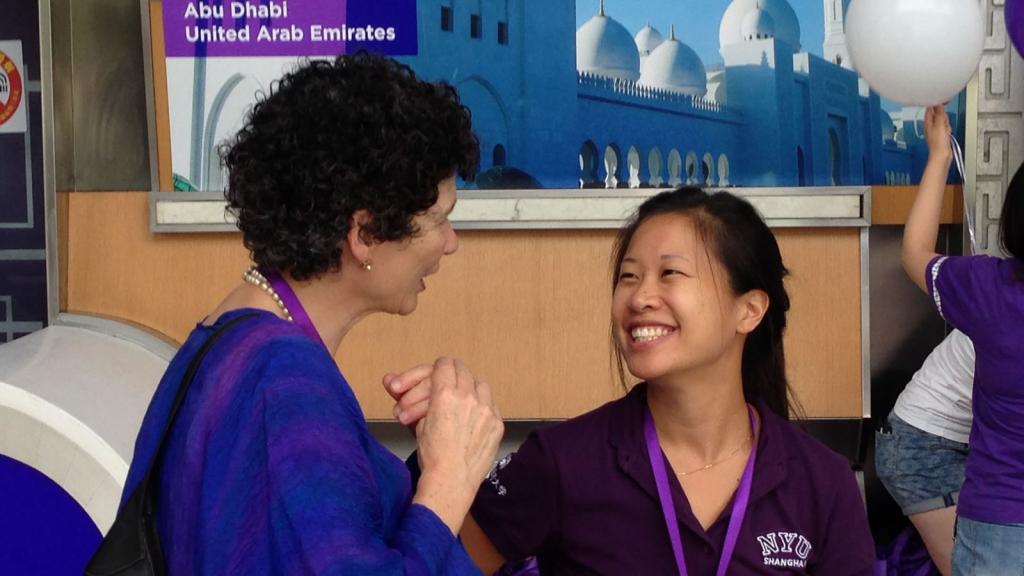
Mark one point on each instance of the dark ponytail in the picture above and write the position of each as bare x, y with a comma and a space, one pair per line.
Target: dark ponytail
1011, 221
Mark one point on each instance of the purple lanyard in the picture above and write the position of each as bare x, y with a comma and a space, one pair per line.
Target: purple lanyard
739, 506
291, 301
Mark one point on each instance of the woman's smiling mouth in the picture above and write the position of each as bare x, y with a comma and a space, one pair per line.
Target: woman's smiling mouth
644, 334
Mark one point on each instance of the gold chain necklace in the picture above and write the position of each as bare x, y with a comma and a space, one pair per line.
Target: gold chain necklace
253, 276
717, 462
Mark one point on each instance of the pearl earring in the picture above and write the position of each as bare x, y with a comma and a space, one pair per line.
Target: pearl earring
367, 266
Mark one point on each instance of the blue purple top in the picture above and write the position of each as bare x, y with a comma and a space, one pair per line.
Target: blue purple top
270, 468
983, 297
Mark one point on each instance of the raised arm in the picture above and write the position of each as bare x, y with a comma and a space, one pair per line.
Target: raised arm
921, 231
412, 391
456, 440
324, 492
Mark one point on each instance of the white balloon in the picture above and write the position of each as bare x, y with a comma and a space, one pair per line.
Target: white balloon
915, 52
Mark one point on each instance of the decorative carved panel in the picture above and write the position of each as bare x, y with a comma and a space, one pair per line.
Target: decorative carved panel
998, 127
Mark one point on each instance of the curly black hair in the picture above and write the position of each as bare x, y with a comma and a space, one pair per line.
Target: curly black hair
361, 132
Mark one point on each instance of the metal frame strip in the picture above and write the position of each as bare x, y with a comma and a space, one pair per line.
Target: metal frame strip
847, 207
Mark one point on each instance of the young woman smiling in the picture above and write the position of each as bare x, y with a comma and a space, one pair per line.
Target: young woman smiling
696, 470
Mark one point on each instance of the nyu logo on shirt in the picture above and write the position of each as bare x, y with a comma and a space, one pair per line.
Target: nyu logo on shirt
784, 549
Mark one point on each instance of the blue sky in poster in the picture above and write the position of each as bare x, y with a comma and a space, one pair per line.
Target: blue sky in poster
697, 21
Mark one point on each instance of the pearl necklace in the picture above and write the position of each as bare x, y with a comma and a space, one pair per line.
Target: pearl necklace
253, 276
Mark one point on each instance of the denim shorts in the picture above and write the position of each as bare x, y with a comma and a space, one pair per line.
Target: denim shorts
983, 549
921, 471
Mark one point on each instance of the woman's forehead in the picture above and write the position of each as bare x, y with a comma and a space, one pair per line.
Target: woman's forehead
666, 231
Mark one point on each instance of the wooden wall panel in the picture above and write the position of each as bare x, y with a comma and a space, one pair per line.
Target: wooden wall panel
163, 123
891, 204
823, 341
165, 282
528, 310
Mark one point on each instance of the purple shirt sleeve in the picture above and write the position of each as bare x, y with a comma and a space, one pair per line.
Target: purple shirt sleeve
848, 549
962, 289
517, 505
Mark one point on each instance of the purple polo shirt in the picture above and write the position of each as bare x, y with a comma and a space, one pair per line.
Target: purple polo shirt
984, 297
581, 496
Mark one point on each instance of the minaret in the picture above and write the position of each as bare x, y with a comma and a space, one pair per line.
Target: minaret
834, 46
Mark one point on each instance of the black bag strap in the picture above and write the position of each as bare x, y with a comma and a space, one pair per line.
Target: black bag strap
132, 545
149, 503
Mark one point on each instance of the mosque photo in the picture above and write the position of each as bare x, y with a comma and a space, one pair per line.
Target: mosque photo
564, 95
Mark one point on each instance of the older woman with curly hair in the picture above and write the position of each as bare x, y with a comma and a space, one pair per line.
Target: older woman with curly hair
342, 180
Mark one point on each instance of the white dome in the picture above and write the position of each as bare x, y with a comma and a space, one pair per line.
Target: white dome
647, 39
675, 66
757, 24
787, 26
604, 47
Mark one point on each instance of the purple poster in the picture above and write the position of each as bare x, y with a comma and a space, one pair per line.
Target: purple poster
222, 28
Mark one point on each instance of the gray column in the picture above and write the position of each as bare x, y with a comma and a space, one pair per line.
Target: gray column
995, 128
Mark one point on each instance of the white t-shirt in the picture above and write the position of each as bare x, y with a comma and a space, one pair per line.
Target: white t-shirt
938, 397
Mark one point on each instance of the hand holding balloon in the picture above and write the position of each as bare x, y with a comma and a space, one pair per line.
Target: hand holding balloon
937, 133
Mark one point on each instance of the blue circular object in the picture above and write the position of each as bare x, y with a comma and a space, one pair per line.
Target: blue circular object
43, 529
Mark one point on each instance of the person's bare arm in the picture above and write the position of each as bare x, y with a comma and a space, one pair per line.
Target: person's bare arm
922, 226
480, 548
